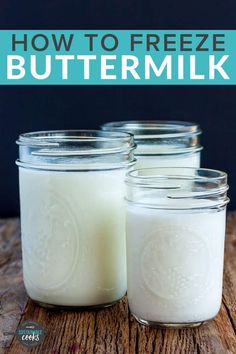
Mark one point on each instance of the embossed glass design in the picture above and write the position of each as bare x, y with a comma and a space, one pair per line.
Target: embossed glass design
175, 244
162, 143
72, 216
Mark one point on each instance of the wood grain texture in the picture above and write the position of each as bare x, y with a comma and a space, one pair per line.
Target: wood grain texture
13, 298
113, 330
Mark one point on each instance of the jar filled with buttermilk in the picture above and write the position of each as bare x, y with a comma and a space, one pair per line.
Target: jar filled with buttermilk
175, 244
73, 216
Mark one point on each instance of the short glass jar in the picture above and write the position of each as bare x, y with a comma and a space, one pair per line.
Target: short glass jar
175, 244
162, 143
73, 216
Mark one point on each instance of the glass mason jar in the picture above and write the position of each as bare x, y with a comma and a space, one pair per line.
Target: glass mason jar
162, 143
73, 216
175, 244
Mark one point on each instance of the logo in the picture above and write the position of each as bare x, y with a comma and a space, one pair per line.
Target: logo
30, 333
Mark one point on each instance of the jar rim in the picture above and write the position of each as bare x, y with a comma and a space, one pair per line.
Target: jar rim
64, 149
76, 135
51, 140
177, 185
160, 137
151, 129
141, 174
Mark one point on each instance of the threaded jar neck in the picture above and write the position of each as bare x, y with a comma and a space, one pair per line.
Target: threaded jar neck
75, 150
160, 137
177, 188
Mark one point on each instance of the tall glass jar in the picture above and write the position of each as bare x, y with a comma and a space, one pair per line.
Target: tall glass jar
72, 216
175, 244
163, 143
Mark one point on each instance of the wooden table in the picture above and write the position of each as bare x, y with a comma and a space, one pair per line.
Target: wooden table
112, 330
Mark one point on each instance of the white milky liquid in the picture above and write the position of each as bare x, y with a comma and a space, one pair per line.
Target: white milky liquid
175, 160
73, 236
175, 264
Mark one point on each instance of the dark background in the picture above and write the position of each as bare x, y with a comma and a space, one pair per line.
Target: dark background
29, 108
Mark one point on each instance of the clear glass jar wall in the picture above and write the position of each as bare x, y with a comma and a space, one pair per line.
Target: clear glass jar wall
72, 216
163, 143
175, 244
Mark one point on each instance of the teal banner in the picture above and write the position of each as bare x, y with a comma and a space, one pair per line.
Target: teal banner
111, 57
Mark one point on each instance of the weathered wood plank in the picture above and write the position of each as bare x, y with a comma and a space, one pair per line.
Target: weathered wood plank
214, 337
13, 297
99, 332
115, 331
229, 293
